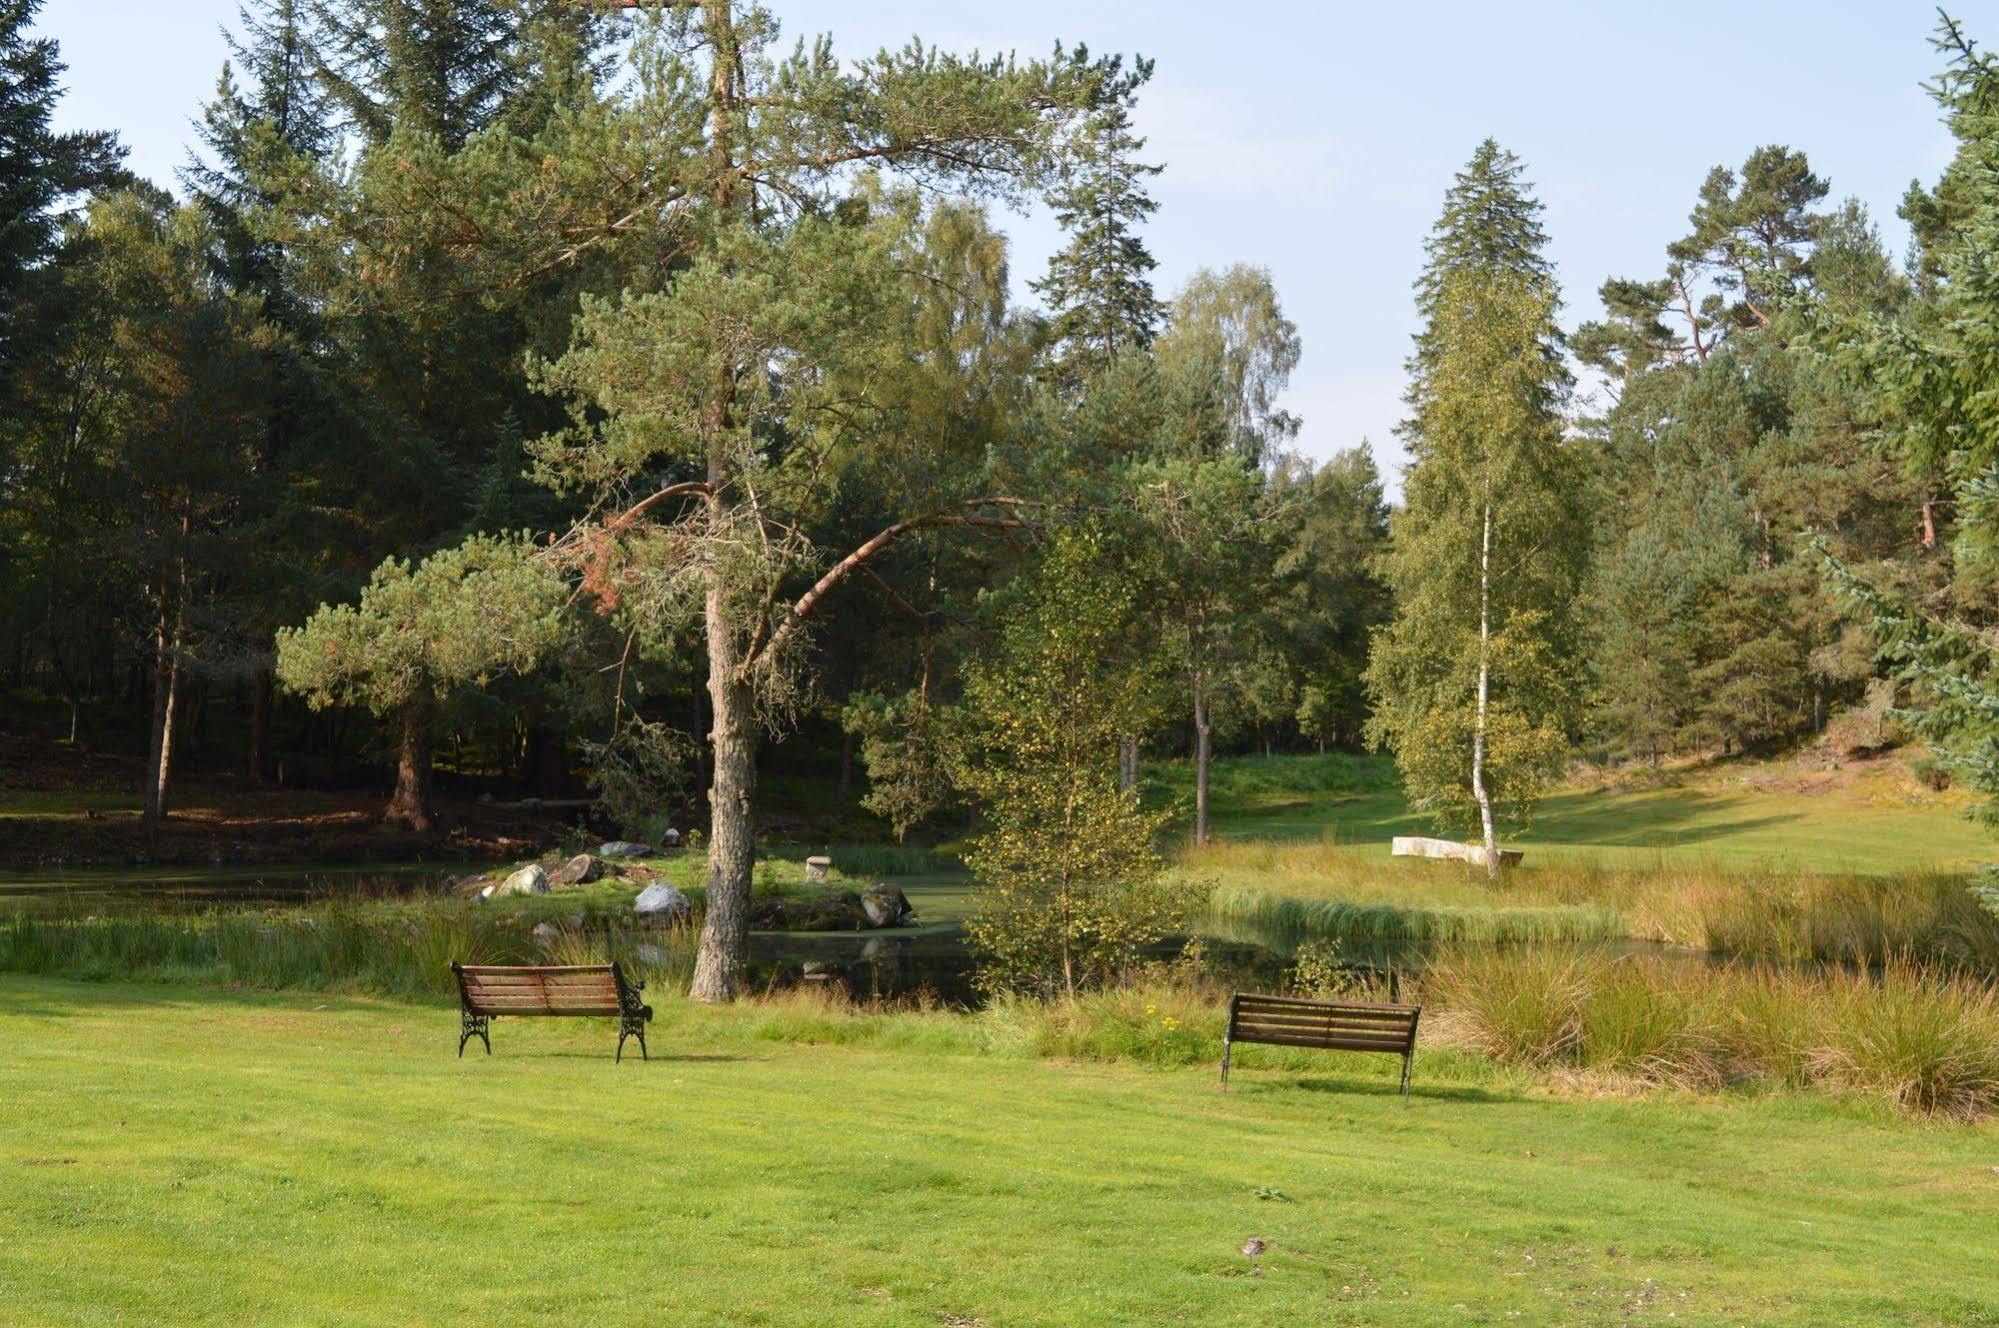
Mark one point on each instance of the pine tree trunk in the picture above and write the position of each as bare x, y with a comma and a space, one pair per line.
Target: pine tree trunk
260, 727
1479, 790
724, 949
410, 804
1204, 741
159, 744
718, 967
163, 774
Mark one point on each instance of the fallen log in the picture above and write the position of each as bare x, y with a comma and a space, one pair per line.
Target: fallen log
1450, 850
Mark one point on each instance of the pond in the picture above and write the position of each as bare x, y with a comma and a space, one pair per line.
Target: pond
930, 957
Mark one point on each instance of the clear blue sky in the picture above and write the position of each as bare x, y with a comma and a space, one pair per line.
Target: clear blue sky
1317, 138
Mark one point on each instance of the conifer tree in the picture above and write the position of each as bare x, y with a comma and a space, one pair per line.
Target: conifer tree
463, 616
1099, 284
1490, 226
437, 68
1752, 230
1472, 680
719, 401
39, 169
1929, 372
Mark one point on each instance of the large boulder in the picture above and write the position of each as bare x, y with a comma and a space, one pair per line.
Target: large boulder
624, 848
579, 870
886, 905
661, 902
529, 880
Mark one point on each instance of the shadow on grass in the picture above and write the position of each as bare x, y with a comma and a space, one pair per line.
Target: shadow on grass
1653, 818
1371, 1088
20, 1000
631, 1057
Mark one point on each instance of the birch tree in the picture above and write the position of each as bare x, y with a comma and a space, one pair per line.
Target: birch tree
1473, 680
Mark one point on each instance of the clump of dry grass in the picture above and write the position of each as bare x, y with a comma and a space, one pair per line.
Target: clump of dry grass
1925, 1038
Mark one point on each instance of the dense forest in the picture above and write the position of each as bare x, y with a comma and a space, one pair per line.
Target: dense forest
613, 402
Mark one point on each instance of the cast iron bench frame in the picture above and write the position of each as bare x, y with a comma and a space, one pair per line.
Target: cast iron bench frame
487, 991
1295, 1021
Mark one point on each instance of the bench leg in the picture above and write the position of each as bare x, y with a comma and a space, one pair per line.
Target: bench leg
1225, 1062
632, 1028
1408, 1057
473, 1026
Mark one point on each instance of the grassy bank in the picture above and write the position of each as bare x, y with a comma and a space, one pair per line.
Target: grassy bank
1790, 916
1779, 860
351, 1167
1303, 816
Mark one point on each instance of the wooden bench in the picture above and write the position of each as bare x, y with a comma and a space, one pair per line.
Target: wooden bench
1294, 1021
487, 991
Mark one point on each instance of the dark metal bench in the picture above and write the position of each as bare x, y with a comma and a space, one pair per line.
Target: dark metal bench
487, 991
1294, 1021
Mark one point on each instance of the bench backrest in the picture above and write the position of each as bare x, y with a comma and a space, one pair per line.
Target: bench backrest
1294, 1021
580, 989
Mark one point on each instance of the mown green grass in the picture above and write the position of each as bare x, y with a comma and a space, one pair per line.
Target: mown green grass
1872, 818
181, 1156
1791, 858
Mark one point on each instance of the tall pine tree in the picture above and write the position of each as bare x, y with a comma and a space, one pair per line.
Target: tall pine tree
39, 169
1099, 285
1472, 680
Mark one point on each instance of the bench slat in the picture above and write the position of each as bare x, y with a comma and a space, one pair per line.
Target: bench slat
1320, 1020
1330, 1044
1252, 1032
1289, 1009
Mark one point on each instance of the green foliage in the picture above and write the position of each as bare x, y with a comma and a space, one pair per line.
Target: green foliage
40, 168
461, 616
1751, 233
1066, 857
910, 750
1228, 338
1489, 548
640, 768
1929, 372
1099, 284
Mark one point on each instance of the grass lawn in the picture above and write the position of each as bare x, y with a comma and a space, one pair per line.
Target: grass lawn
1869, 817
180, 1156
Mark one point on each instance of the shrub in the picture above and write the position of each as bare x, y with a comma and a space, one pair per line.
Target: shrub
1640, 1022
1521, 1005
1927, 1041
1071, 890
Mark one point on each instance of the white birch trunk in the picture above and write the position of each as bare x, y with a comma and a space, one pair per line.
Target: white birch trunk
1479, 790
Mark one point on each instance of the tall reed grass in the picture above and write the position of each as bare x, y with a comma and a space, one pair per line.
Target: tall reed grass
1936, 917
1255, 914
1924, 1038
